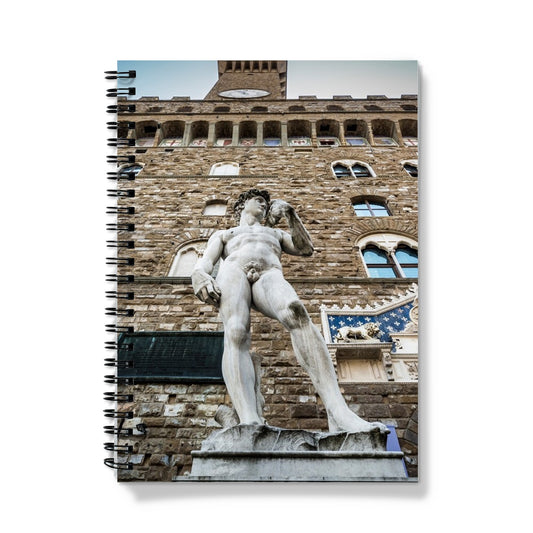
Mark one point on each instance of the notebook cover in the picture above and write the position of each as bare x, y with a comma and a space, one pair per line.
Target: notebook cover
337, 141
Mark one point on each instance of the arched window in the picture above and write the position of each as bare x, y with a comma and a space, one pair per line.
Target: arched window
172, 133
299, 133
396, 260
360, 171
365, 207
199, 134
407, 259
327, 133
356, 132
145, 133
409, 129
411, 167
215, 208
247, 133
223, 133
354, 169
130, 170
342, 171
272, 133
225, 168
384, 132
379, 263
186, 258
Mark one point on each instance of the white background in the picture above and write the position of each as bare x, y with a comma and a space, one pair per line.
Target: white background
476, 195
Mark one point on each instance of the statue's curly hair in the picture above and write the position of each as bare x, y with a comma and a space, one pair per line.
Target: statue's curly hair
239, 204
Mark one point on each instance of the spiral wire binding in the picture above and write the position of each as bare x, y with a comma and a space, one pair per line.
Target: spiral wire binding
114, 75
118, 176
121, 108
120, 246
116, 125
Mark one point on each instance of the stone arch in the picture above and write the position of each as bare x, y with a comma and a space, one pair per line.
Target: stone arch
215, 207
145, 132
299, 132
328, 132
371, 197
272, 133
383, 225
384, 132
356, 132
410, 166
247, 133
186, 257
409, 127
131, 168
348, 164
387, 240
180, 242
409, 131
223, 133
199, 133
387, 254
172, 133
224, 168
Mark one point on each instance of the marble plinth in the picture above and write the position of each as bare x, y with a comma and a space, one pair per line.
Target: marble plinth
265, 453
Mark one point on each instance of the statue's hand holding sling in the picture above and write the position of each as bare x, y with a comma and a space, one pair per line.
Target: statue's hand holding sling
205, 287
278, 210
300, 240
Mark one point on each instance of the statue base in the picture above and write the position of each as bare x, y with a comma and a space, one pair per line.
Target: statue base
265, 453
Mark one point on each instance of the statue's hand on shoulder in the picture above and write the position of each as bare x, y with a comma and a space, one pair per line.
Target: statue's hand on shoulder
205, 287
278, 210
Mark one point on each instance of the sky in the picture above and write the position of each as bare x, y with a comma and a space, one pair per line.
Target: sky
323, 79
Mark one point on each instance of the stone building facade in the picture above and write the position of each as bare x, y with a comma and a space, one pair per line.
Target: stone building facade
349, 167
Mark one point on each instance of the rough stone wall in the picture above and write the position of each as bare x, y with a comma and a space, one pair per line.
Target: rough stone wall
169, 207
178, 417
170, 195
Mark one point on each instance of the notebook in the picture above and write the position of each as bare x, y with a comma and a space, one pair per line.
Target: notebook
263, 271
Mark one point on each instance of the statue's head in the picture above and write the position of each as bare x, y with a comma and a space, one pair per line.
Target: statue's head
245, 196
372, 329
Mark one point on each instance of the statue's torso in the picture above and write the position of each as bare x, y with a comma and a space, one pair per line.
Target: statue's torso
256, 243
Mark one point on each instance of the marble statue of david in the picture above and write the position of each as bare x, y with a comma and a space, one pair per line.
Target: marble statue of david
251, 277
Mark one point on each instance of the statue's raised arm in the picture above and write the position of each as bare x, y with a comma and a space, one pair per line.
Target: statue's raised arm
298, 242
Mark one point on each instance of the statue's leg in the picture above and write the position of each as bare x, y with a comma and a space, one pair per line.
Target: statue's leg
237, 365
274, 297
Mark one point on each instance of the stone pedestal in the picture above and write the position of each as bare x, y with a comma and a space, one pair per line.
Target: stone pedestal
264, 453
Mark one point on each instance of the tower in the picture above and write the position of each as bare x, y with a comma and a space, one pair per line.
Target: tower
250, 79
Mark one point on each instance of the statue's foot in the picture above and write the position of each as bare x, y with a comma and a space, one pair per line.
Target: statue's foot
351, 423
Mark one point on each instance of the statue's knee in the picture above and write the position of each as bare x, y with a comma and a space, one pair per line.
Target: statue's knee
295, 316
236, 333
